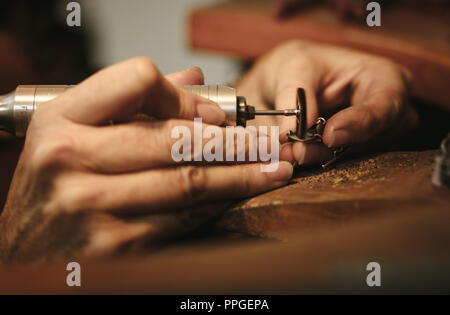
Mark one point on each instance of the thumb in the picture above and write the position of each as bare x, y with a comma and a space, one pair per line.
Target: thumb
192, 76
352, 125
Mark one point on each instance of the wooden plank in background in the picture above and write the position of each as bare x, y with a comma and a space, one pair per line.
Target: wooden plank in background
417, 39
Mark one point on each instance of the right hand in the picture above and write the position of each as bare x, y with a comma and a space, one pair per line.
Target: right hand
83, 187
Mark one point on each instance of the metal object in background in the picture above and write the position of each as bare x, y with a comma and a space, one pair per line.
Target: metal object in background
441, 175
17, 107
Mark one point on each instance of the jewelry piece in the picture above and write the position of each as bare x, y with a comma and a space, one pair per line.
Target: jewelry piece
314, 133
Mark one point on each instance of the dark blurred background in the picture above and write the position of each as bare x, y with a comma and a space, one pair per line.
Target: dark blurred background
37, 46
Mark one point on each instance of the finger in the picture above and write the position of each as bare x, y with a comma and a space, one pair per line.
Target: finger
112, 235
377, 103
193, 76
141, 145
125, 89
136, 234
359, 123
168, 226
310, 153
171, 189
297, 75
305, 153
286, 153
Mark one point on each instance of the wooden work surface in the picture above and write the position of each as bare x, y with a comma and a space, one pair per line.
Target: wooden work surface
417, 38
384, 184
381, 208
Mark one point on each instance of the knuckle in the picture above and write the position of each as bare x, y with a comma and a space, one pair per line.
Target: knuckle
176, 124
370, 118
395, 110
291, 52
170, 125
294, 44
298, 62
53, 153
187, 108
74, 198
382, 65
146, 71
193, 182
168, 128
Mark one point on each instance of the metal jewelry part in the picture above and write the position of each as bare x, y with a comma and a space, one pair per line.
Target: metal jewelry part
314, 133
337, 154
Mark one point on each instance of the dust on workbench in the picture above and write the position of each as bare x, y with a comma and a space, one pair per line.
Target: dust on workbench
353, 189
363, 171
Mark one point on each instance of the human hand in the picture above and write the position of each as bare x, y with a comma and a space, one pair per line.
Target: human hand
364, 97
83, 187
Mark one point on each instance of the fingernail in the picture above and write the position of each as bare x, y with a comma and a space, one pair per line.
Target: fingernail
299, 151
198, 69
332, 139
283, 173
211, 114
338, 138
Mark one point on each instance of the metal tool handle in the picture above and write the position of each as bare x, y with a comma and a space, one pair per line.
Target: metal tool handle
17, 108
225, 96
27, 99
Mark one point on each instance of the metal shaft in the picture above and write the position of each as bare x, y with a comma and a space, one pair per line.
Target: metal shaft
286, 112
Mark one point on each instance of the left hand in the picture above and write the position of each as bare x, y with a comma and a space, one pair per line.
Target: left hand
362, 96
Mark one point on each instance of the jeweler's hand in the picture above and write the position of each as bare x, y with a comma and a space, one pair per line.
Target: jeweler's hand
362, 96
85, 187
